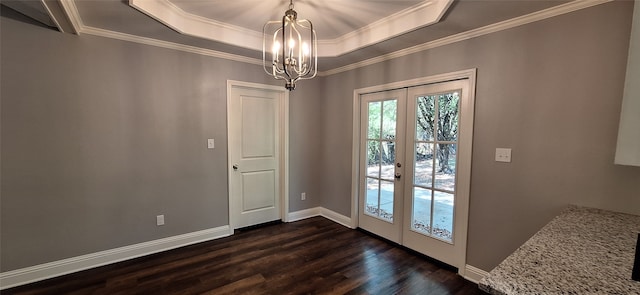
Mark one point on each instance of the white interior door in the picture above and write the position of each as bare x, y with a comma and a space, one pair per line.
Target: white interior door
415, 155
255, 155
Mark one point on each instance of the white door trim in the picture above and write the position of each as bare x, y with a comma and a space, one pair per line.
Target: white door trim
469, 74
284, 156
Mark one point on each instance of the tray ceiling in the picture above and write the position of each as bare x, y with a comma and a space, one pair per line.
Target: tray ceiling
341, 26
350, 32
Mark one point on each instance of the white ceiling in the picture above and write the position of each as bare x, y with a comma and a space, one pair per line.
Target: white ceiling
334, 20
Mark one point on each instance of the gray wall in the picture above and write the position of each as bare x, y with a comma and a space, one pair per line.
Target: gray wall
550, 90
99, 136
304, 149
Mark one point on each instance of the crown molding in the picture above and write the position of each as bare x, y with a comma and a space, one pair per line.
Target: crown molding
186, 23
72, 13
496, 27
80, 28
59, 16
417, 16
169, 45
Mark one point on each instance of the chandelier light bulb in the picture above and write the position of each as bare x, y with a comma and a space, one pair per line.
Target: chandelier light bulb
276, 50
276, 46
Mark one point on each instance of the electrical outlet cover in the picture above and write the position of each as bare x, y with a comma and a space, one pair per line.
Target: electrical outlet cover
503, 155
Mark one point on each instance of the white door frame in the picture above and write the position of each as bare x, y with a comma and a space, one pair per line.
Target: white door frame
465, 168
284, 143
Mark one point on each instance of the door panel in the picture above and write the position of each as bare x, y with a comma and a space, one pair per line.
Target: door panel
258, 126
382, 130
255, 132
258, 191
434, 223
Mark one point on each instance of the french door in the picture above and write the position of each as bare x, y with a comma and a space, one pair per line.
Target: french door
381, 200
415, 151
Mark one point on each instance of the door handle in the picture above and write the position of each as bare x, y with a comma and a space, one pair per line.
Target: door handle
398, 175
235, 167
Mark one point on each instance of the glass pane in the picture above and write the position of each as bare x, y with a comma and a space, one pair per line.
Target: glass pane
373, 158
389, 119
423, 173
443, 216
421, 215
388, 159
446, 167
374, 119
386, 200
448, 116
425, 115
371, 202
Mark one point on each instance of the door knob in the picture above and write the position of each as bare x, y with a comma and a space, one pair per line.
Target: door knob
235, 166
398, 175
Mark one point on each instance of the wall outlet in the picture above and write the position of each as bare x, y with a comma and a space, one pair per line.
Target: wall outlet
160, 220
303, 196
503, 155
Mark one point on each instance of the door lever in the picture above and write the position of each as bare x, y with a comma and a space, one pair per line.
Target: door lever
398, 175
235, 167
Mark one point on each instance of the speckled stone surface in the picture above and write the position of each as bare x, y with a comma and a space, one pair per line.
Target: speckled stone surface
581, 251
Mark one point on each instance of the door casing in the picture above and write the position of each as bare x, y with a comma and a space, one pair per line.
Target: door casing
465, 168
284, 144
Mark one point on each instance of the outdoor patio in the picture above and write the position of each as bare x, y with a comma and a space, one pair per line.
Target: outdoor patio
379, 198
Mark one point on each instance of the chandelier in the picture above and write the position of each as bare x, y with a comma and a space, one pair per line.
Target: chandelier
292, 42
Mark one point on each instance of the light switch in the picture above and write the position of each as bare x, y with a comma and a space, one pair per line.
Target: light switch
160, 220
210, 143
503, 155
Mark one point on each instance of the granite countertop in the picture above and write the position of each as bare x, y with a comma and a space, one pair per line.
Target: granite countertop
581, 251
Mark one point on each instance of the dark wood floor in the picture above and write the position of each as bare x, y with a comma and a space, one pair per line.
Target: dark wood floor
312, 256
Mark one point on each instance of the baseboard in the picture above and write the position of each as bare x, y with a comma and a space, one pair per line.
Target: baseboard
304, 214
335, 217
474, 274
320, 211
61, 267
